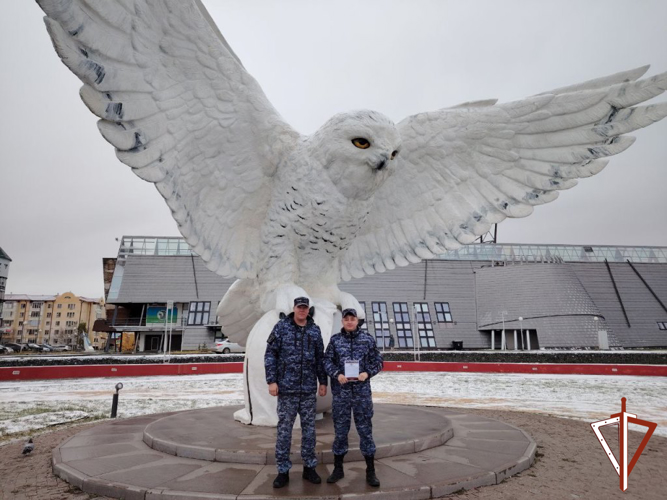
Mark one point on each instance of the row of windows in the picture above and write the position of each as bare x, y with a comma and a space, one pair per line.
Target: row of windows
402, 321
198, 313
38, 305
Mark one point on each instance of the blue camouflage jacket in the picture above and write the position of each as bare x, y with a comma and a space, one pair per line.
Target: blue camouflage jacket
294, 357
359, 346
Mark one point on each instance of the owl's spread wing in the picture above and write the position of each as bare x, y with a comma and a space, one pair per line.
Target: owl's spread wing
182, 111
465, 168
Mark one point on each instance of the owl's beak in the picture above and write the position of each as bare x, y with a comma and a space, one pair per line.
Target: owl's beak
382, 163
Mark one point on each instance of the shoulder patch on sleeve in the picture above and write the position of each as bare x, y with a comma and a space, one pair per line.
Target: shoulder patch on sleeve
271, 338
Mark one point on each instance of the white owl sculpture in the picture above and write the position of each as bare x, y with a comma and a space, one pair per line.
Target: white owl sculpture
291, 215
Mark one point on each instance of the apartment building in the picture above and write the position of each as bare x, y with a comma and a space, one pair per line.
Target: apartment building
4, 273
52, 319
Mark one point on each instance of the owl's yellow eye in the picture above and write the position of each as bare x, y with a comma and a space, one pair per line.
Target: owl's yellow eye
361, 143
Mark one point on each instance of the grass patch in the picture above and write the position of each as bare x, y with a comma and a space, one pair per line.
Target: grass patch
54, 427
32, 411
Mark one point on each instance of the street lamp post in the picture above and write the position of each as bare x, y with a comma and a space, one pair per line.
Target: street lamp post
415, 333
502, 337
114, 400
384, 344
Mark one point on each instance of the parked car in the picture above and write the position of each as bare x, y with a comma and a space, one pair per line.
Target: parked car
5, 349
16, 347
57, 348
38, 348
225, 347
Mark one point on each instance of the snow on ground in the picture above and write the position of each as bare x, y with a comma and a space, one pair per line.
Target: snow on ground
584, 397
34, 405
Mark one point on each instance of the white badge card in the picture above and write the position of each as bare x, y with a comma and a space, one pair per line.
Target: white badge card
352, 370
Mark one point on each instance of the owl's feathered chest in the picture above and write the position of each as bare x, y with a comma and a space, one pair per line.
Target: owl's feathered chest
309, 211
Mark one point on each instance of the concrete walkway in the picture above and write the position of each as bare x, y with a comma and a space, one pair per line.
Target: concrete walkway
422, 453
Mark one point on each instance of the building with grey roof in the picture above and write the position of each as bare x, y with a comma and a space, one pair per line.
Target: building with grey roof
4, 273
541, 296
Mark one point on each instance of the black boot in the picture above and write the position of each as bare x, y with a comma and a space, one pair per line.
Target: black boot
338, 472
309, 474
371, 478
281, 480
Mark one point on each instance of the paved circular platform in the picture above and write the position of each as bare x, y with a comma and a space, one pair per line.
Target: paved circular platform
113, 459
214, 435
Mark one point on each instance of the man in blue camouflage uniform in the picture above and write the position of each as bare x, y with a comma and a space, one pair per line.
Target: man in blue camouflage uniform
352, 396
294, 364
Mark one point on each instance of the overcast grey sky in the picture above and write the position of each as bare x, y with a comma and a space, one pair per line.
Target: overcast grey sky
64, 197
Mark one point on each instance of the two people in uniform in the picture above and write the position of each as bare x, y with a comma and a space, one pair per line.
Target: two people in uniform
296, 370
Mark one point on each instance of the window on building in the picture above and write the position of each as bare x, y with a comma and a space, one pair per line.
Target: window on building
662, 325
71, 306
48, 315
35, 314
58, 315
424, 325
22, 306
20, 323
48, 306
198, 313
442, 312
70, 315
37, 305
59, 306
22, 315
403, 326
381, 323
57, 323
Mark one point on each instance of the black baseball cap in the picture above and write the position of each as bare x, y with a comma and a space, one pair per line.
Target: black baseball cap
301, 301
351, 311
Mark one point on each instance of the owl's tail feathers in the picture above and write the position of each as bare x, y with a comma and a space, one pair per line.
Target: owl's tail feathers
239, 310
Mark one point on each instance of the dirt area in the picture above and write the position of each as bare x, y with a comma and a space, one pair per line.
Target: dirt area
570, 464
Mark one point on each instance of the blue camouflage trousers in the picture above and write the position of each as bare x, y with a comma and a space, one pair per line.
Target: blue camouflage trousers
345, 403
289, 406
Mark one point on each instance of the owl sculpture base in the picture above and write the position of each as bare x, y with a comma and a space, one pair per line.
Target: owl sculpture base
260, 407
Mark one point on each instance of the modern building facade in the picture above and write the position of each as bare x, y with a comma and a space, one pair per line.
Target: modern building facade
541, 296
52, 319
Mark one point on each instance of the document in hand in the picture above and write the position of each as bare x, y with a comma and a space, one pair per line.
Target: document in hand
352, 370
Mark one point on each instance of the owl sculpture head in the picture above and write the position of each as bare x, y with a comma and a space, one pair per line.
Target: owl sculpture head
359, 151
